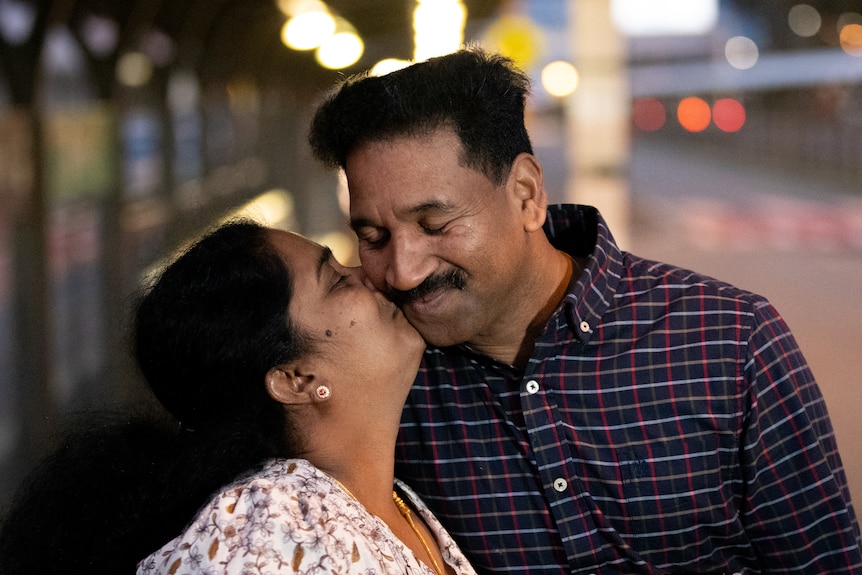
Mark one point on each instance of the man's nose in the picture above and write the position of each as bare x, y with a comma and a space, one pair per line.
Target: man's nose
409, 263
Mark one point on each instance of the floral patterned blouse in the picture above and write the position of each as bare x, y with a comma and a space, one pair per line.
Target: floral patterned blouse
293, 518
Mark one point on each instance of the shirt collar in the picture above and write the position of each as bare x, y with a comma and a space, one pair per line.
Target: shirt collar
581, 231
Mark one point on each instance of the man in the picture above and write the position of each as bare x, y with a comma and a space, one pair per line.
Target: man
579, 409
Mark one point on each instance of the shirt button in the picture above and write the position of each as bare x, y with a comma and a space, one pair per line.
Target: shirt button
560, 484
585, 327
532, 386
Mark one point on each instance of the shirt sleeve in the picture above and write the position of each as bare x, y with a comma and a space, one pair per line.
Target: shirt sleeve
797, 510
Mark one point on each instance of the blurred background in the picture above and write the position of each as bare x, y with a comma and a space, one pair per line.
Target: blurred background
720, 135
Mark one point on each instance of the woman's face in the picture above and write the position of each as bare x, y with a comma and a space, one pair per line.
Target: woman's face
356, 331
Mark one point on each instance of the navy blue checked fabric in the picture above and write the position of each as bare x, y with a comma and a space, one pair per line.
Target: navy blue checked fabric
666, 423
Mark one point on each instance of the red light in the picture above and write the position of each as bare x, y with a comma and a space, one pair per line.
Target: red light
728, 115
648, 114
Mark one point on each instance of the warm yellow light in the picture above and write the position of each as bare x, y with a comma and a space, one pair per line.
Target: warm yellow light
342, 49
134, 69
272, 208
560, 78
438, 28
291, 8
343, 246
388, 65
308, 30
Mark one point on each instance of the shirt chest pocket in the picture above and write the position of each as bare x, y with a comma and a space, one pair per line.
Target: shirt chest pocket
678, 478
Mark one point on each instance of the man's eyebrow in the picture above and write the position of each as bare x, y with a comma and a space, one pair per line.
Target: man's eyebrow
322, 259
429, 206
356, 223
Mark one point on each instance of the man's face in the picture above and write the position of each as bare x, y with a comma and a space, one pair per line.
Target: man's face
440, 239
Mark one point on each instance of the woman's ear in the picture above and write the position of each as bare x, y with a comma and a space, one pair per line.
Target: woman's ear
527, 184
289, 385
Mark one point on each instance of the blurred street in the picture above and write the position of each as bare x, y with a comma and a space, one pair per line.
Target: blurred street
796, 239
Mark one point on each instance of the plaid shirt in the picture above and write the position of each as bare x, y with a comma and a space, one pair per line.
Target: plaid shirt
666, 423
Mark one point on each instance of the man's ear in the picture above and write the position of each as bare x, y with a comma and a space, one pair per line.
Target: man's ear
289, 385
526, 183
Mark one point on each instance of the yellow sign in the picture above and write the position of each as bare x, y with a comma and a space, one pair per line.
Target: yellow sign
518, 37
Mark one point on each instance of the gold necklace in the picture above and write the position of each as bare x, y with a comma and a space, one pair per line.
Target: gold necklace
405, 513
408, 516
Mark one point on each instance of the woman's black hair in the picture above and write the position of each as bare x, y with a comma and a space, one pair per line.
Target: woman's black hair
213, 324
122, 485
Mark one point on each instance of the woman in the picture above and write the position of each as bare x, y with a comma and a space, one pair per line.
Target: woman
287, 374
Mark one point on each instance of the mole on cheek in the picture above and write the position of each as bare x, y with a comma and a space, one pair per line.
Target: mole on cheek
329, 333
352, 322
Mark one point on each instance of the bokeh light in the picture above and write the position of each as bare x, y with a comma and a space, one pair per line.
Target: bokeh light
134, 69
271, 208
388, 65
847, 18
851, 39
804, 20
741, 52
438, 28
291, 8
693, 114
101, 35
308, 30
728, 115
183, 92
61, 52
342, 49
517, 37
16, 21
560, 78
649, 114
664, 17
342, 245
159, 47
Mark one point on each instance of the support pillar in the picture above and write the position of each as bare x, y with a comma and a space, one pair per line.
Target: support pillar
598, 116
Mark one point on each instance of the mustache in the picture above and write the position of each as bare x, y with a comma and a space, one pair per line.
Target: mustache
453, 279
